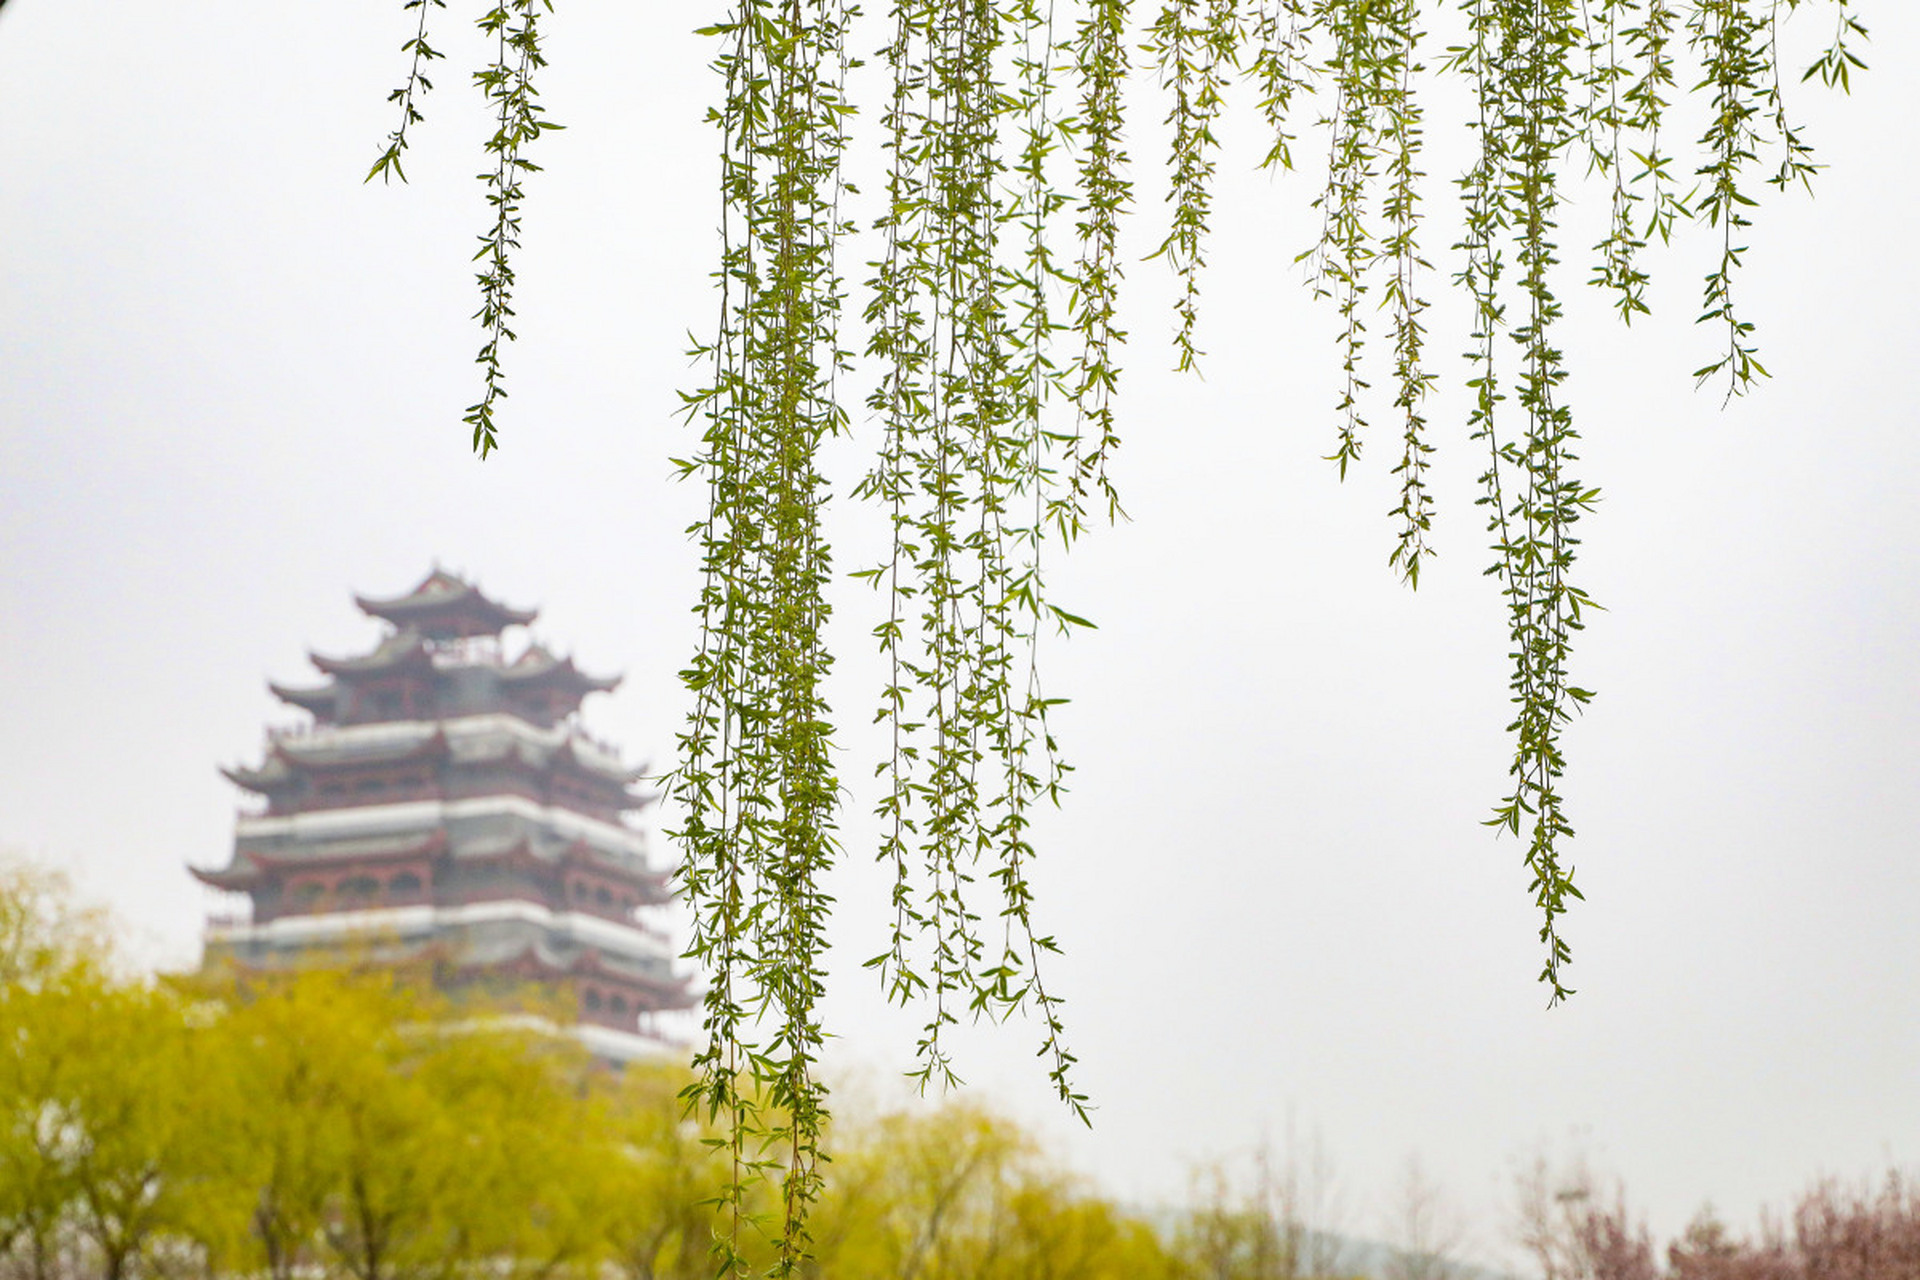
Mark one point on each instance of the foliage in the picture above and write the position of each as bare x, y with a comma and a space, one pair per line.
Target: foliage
41, 932
988, 323
1281, 1226
1833, 1233
347, 1124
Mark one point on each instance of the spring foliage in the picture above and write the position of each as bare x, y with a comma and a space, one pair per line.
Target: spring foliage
979, 334
347, 1124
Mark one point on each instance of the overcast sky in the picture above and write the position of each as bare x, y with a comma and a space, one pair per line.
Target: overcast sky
230, 384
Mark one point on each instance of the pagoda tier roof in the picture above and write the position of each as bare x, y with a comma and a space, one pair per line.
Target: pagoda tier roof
532, 960
652, 885
321, 755
265, 780
250, 866
483, 735
587, 763
445, 606
393, 848
318, 699
539, 667
521, 852
405, 649
235, 878
290, 754
538, 763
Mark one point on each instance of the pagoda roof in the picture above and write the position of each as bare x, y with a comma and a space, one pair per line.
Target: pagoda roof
427, 745
651, 884
405, 648
563, 758
234, 878
269, 777
376, 849
318, 699
445, 606
538, 666
533, 960
589, 763
248, 866
537, 762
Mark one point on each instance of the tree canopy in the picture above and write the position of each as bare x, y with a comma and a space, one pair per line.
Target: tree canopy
937, 263
350, 1123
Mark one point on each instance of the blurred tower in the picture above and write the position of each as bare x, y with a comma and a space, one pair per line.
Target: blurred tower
445, 807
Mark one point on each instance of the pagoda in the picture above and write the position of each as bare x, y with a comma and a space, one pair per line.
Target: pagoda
443, 806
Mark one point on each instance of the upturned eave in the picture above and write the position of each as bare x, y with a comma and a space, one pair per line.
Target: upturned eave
404, 649
444, 606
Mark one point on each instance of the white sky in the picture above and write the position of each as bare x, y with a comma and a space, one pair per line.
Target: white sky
230, 381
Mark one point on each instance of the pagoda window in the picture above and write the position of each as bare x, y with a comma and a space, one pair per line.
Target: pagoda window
579, 891
307, 893
593, 1000
370, 784
405, 882
602, 897
333, 789
360, 887
619, 1004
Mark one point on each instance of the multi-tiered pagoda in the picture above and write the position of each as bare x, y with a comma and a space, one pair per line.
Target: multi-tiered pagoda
444, 805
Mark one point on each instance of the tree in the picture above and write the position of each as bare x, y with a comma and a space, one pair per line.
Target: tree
397, 1137
653, 1202
109, 1121
1424, 1230
985, 342
962, 1194
1284, 1226
41, 933
920, 1193
1575, 1229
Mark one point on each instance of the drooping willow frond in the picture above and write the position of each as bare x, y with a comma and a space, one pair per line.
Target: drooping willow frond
961, 315
508, 86
756, 782
988, 333
410, 93
1197, 44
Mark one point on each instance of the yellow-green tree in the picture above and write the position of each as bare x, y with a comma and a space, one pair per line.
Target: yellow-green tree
109, 1117
390, 1135
959, 1193
653, 1198
42, 933
352, 1124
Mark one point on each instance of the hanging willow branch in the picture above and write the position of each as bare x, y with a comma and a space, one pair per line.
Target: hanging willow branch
756, 781
988, 327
